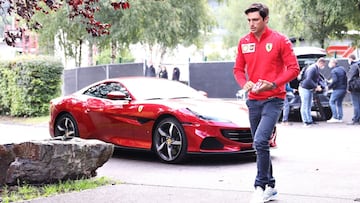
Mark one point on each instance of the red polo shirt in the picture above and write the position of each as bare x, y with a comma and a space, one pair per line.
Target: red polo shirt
271, 58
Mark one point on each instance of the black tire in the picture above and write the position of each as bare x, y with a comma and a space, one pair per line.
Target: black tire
169, 141
66, 127
328, 113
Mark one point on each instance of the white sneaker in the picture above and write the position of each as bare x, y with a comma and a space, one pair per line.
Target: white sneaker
258, 195
332, 120
269, 194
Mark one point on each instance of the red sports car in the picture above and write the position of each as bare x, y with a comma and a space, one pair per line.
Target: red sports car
165, 116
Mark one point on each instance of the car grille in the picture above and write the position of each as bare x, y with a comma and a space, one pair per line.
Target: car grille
211, 143
243, 136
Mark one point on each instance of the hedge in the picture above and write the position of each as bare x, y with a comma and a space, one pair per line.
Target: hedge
27, 84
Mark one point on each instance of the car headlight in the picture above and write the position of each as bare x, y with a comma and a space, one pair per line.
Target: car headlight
208, 117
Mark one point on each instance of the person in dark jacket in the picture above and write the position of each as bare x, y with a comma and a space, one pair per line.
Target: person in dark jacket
338, 83
163, 72
355, 95
176, 74
150, 71
307, 86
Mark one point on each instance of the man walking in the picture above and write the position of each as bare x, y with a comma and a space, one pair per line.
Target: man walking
265, 62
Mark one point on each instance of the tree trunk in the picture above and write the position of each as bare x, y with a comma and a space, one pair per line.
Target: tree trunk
162, 53
63, 45
322, 43
113, 52
78, 63
90, 54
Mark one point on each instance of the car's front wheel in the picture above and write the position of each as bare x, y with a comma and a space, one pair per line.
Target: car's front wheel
169, 141
66, 127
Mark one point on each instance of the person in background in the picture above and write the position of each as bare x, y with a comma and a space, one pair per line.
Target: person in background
307, 87
355, 95
176, 74
150, 71
338, 83
163, 72
351, 59
286, 110
265, 62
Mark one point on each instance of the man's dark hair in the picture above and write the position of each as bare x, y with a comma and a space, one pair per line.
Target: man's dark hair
353, 57
258, 7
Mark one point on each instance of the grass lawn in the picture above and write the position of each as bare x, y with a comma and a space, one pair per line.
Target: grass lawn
28, 192
24, 120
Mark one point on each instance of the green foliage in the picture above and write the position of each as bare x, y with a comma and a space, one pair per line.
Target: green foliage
219, 56
105, 57
319, 20
28, 84
233, 19
28, 192
70, 34
314, 20
165, 23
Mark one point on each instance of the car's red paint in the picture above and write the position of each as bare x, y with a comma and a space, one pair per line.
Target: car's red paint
131, 121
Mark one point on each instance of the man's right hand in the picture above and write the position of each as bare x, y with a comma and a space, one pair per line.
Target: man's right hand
318, 88
248, 86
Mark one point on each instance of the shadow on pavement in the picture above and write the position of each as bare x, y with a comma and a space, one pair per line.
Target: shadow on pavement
192, 159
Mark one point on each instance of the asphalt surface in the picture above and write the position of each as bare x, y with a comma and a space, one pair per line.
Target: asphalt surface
154, 192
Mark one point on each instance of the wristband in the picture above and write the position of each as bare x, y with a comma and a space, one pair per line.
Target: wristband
274, 85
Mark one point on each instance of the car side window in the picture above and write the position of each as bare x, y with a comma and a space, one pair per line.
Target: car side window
101, 90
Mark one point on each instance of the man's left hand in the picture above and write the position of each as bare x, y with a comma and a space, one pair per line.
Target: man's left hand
265, 86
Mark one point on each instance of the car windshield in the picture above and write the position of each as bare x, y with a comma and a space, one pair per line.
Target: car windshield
151, 88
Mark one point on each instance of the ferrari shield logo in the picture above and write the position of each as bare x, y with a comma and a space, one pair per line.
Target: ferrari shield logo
140, 108
268, 47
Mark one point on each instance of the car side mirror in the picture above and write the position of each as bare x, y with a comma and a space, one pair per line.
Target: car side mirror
116, 95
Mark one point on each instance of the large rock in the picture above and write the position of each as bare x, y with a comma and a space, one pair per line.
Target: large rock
49, 161
6, 157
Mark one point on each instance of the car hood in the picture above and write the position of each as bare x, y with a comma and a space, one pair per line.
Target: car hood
230, 110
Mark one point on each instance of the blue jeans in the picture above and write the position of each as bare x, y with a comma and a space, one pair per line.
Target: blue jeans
286, 109
355, 98
263, 116
336, 101
306, 97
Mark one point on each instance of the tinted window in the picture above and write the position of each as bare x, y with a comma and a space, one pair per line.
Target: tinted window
103, 89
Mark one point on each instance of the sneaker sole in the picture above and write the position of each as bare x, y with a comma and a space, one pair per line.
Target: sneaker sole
273, 197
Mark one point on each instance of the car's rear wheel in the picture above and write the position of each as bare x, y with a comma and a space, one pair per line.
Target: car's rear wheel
169, 141
328, 113
66, 127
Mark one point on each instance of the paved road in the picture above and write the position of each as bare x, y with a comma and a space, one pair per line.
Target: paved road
316, 164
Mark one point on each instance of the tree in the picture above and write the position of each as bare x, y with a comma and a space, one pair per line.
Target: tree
70, 34
153, 23
352, 17
123, 30
318, 20
25, 10
156, 24
166, 24
233, 20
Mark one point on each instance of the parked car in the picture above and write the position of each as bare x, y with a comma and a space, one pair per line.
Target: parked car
168, 117
320, 105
